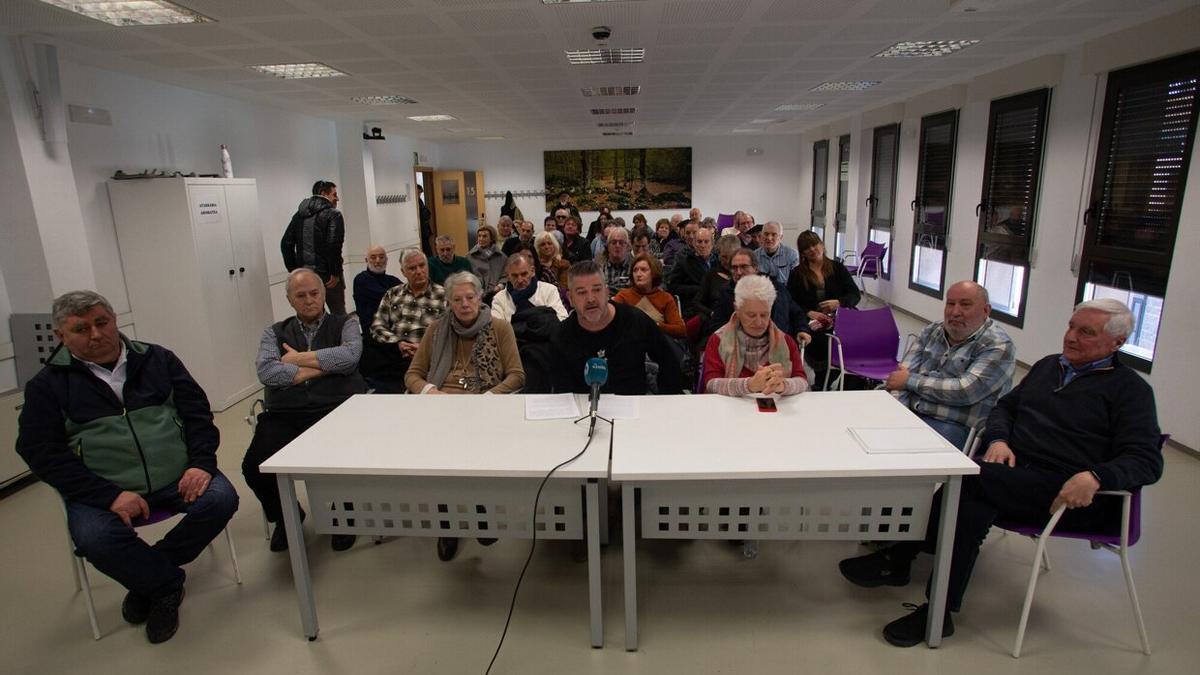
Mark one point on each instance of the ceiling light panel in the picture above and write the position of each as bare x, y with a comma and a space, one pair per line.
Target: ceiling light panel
614, 124
584, 57
799, 107
766, 120
616, 133
858, 85
131, 12
431, 118
924, 48
383, 100
612, 91
299, 71
613, 111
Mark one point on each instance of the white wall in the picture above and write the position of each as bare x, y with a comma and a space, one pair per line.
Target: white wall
724, 178
1077, 94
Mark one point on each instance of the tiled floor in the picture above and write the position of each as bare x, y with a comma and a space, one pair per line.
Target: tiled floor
394, 608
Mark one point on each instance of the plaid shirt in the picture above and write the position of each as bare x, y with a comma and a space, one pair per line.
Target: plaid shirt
403, 316
960, 383
617, 275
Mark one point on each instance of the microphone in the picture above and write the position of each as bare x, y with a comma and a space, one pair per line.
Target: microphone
595, 374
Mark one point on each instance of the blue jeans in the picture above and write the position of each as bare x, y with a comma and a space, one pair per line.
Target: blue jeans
116, 550
951, 431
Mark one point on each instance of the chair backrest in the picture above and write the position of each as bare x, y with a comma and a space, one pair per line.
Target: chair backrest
871, 257
724, 220
867, 334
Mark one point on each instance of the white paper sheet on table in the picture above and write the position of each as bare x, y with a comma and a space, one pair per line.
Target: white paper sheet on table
551, 407
879, 440
619, 407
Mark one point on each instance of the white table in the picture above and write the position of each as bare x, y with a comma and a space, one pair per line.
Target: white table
443, 466
713, 467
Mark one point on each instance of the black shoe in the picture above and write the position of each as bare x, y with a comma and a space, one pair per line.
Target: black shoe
446, 548
341, 542
279, 540
910, 630
136, 608
486, 541
876, 569
163, 619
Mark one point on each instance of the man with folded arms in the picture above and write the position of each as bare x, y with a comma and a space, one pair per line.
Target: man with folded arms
1080, 422
120, 428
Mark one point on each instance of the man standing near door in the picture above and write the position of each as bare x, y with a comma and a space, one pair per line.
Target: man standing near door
313, 239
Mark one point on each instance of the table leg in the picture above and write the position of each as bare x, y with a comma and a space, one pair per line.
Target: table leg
941, 561
298, 554
593, 553
629, 553
603, 487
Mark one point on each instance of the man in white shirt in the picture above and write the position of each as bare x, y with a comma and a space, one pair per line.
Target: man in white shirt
523, 290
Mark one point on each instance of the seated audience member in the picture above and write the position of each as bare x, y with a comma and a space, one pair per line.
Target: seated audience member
662, 235
550, 225
715, 281
445, 263
574, 247
487, 262
522, 242
151, 445
776, 259
953, 374
673, 251
523, 290
400, 322
820, 286
1080, 421
643, 241
615, 262
689, 272
619, 333
743, 223
554, 268
600, 243
597, 226
784, 314
308, 364
755, 233
695, 215
750, 356
466, 351
370, 285
646, 294
505, 229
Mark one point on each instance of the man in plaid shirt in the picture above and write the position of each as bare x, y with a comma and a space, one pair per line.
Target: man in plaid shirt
953, 375
400, 322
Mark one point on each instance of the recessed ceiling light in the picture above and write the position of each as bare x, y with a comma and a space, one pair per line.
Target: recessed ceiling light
798, 107
299, 71
489, 138
571, 2
382, 100
614, 124
464, 130
747, 131
616, 133
769, 120
583, 57
613, 111
431, 118
845, 86
612, 91
131, 12
925, 48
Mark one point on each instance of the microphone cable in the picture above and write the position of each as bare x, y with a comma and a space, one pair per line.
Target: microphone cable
532, 544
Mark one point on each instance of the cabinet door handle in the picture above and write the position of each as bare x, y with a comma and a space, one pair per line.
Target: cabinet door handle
231, 272
241, 270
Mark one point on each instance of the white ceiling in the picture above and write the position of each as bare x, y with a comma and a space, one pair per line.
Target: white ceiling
498, 66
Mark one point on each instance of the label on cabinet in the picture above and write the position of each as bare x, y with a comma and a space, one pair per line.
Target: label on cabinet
208, 211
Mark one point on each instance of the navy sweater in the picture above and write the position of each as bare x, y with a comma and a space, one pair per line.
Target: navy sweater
1103, 421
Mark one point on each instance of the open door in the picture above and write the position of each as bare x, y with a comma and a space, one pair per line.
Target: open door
457, 204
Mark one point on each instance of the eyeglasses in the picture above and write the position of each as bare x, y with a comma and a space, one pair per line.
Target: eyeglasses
741, 268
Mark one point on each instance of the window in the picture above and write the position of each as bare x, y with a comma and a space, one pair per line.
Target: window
842, 187
820, 178
1145, 145
931, 208
1008, 201
881, 205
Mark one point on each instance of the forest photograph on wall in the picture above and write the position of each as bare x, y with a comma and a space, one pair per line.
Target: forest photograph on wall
623, 179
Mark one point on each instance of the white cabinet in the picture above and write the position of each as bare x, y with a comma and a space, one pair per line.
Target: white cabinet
192, 253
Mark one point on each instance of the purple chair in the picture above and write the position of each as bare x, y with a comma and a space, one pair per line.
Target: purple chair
869, 263
724, 220
1130, 533
866, 342
81, 578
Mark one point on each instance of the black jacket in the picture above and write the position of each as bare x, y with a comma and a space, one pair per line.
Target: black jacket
839, 286
1103, 421
686, 277
626, 341
313, 238
786, 316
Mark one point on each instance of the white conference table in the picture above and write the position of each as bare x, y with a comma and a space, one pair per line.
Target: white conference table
443, 466
713, 467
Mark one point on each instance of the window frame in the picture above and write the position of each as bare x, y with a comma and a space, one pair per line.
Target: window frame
841, 206
819, 198
1039, 99
917, 204
874, 221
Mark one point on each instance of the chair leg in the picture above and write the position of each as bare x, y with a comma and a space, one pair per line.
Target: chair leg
237, 572
1033, 578
1133, 599
81, 580
266, 527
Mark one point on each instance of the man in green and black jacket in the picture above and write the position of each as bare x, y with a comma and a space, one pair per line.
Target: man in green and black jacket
121, 429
